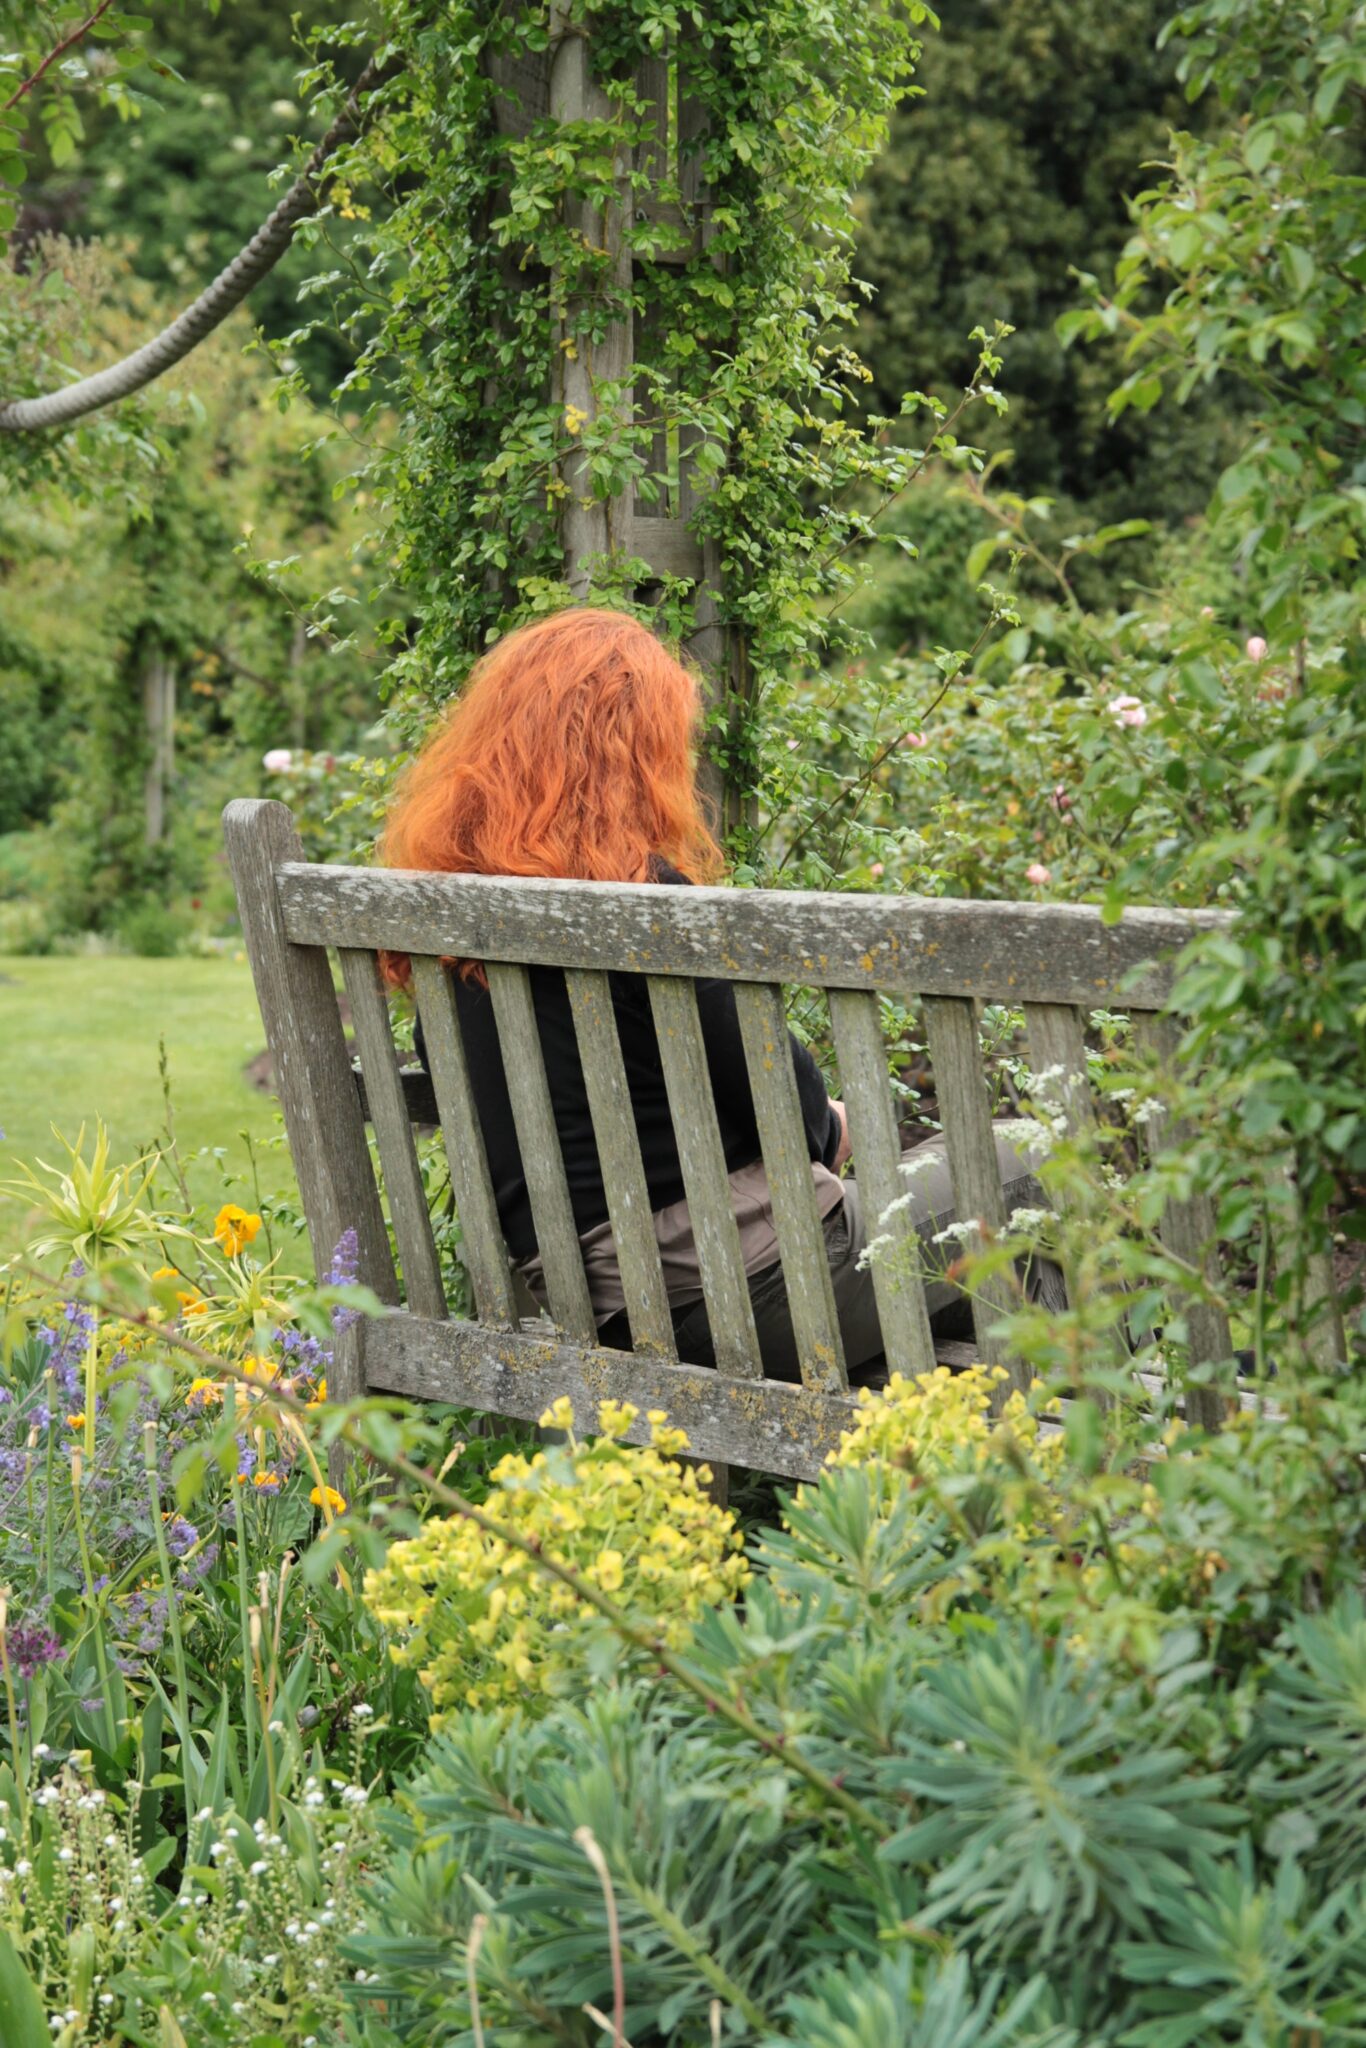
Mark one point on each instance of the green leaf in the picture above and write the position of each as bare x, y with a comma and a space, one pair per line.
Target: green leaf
22, 2021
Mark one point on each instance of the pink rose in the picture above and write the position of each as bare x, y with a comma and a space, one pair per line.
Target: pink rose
278, 761
914, 739
877, 871
1038, 874
1256, 648
1129, 710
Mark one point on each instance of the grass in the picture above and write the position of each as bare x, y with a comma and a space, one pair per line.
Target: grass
81, 1041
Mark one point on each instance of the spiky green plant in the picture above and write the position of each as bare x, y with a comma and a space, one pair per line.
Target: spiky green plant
90, 1212
1313, 1717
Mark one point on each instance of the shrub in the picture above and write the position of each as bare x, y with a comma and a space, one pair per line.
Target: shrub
1086, 1776
484, 1626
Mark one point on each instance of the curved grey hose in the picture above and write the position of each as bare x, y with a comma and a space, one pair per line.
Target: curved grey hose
212, 307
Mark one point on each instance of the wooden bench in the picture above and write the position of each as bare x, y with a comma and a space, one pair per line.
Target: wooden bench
1057, 961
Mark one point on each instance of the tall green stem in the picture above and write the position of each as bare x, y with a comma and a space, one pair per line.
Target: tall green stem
149, 1453
49, 1505
93, 1603
18, 1755
92, 1366
244, 1625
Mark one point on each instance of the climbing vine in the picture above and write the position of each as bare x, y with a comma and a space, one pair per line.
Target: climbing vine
488, 282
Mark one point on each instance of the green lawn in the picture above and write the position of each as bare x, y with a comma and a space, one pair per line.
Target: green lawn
80, 1041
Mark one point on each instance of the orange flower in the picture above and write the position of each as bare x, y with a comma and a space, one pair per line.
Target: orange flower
328, 1495
76, 1421
234, 1228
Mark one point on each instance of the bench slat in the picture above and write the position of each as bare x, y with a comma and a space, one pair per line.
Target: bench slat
1057, 1038
787, 1163
1187, 1230
393, 1133
897, 1285
692, 1106
538, 1140
1011, 952
481, 1233
623, 1171
965, 1113
769, 1426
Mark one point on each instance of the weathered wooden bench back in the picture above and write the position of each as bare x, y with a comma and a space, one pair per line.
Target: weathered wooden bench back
1057, 961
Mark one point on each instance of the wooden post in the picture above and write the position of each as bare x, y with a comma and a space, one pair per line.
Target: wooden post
313, 1079
591, 526
158, 712
656, 530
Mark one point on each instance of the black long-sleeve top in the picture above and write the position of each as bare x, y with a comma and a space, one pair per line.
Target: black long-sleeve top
645, 1079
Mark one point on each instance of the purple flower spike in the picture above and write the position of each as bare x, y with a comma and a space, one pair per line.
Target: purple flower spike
345, 1261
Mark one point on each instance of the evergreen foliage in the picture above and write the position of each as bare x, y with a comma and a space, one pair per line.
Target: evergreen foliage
1009, 171
1059, 1840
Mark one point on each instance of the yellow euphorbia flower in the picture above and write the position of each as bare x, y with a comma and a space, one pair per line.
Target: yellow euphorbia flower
482, 1627
234, 1228
609, 1572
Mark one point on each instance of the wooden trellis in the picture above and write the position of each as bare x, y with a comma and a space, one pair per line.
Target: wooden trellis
656, 530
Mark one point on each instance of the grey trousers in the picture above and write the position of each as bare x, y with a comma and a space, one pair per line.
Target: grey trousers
931, 1209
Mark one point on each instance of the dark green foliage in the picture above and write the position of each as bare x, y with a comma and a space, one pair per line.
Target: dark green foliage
1066, 1833
1010, 173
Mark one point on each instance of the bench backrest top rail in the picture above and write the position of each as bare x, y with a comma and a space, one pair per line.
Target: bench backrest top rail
940, 946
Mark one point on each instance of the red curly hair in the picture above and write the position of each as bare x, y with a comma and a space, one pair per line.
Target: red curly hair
569, 753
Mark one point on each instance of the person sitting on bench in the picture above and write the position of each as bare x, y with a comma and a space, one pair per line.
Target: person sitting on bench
572, 753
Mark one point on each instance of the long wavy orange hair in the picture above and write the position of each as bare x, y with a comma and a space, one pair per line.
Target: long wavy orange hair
569, 752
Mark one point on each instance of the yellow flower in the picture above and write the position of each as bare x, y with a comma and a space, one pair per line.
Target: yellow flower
234, 1228
319, 1395
260, 1369
165, 1273
330, 1496
76, 1421
266, 1479
191, 1301
481, 1627
609, 1570
203, 1394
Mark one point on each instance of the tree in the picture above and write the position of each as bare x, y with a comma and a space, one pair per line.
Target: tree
1016, 162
